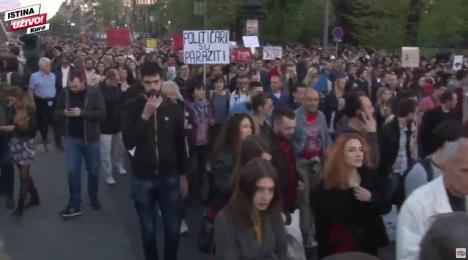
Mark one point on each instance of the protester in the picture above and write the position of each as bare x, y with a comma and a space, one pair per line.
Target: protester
23, 127
429, 168
396, 137
225, 153
311, 141
359, 118
279, 93
241, 93
349, 202
250, 227
42, 85
201, 119
297, 95
282, 150
182, 80
219, 102
443, 195
111, 147
333, 103
153, 133
433, 118
262, 110
383, 107
83, 109
246, 107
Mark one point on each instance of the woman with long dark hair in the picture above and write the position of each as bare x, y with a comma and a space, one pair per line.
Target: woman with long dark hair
23, 127
348, 202
250, 227
225, 153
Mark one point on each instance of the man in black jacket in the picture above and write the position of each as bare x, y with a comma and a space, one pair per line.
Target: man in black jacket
182, 80
395, 137
396, 155
83, 109
111, 139
433, 118
153, 133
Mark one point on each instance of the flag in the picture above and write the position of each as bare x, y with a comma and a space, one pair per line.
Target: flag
199, 7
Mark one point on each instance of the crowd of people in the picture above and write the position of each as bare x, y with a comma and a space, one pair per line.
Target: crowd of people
321, 144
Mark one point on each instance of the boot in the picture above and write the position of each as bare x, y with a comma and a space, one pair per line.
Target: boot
33, 193
24, 187
34, 198
19, 210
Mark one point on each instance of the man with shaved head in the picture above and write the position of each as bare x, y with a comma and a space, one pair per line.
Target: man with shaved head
445, 194
311, 140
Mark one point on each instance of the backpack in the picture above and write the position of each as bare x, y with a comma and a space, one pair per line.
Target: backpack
400, 194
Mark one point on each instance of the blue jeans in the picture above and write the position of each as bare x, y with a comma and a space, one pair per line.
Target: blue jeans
75, 150
148, 195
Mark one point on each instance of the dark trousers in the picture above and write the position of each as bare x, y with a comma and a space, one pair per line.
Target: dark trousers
198, 160
163, 192
45, 118
7, 171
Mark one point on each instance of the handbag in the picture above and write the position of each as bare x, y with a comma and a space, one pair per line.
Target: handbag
206, 236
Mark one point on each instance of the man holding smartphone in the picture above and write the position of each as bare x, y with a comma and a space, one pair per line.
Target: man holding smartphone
153, 134
83, 108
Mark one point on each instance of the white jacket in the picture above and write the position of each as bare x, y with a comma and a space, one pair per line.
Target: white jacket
416, 217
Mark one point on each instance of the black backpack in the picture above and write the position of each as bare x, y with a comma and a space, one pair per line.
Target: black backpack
400, 193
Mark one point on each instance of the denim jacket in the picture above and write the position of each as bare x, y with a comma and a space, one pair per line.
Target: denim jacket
299, 134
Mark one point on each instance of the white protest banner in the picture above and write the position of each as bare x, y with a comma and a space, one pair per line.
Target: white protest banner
250, 41
410, 57
206, 47
272, 52
457, 62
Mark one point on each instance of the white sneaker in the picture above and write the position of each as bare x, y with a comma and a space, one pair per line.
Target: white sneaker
110, 180
122, 170
183, 228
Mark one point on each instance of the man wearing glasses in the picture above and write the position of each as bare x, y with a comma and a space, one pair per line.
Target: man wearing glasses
153, 134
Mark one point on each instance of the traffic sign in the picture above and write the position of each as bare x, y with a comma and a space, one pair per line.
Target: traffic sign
338, 34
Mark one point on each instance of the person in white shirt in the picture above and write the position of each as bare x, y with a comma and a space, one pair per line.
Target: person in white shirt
241, 94
445, 194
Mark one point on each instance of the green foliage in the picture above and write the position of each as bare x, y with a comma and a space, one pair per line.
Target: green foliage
444, 23
378, 24
292, 20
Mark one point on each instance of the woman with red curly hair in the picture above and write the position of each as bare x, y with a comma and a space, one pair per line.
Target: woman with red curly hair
348, 202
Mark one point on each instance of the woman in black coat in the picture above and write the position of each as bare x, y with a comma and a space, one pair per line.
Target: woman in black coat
349, 203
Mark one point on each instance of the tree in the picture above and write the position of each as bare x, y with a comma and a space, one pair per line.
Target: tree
444, 23
372, 23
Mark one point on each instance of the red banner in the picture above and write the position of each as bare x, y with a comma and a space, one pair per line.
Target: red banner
118, 37
243, 56
177, 43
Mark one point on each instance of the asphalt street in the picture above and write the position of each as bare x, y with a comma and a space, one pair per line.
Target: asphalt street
111, 233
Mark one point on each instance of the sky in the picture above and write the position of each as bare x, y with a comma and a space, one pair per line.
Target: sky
47, 6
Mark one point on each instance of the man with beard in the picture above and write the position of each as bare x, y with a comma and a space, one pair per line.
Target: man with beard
153, 133
92, 78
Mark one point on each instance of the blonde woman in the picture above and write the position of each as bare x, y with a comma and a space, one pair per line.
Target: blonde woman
23, 127
383, 109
